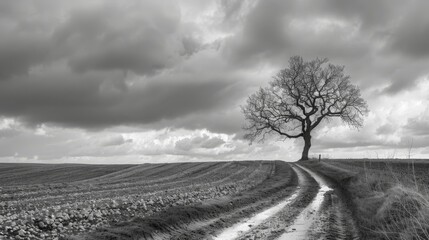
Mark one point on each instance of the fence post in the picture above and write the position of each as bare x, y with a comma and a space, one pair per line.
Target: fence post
320, 156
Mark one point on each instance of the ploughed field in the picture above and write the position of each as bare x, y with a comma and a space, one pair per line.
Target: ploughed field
206, 200
40, 201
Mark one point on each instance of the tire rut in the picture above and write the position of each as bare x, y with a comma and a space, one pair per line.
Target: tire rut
317, 212
276, 225
328, 218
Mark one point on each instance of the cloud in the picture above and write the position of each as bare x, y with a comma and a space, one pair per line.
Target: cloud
92, 100
116, 36
115, 141
130, 68
71, 69
386, 129
418, 126
92, 36
362, 35
9, 128
409, 35
103, 64
204, 141
19, 54
8, 133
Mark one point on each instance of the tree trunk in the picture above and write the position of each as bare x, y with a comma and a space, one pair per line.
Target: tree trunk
307, 145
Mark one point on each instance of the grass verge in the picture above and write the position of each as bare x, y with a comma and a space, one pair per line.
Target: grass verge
384, 207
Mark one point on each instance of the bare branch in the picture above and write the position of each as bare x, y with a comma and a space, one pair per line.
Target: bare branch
300, 97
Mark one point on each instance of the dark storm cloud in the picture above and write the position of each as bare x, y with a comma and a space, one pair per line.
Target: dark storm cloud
91, 101
277, 29
67, 63
24, 40
121, 37
138, 36
19, 53
411, 35
98, 42
262, 35
380, 42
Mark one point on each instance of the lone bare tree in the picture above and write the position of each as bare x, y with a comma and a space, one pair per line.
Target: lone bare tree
299, 98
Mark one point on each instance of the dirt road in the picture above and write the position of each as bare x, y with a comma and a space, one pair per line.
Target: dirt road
324, 217
292, 203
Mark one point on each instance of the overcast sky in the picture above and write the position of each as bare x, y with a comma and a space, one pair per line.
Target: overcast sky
151, 81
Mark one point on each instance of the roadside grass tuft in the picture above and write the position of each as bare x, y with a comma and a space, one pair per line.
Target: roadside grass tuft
386, 206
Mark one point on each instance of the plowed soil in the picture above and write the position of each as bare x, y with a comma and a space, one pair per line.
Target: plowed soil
216, 200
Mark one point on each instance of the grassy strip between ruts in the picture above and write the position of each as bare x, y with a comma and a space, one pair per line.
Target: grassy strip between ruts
173, 218
385, 209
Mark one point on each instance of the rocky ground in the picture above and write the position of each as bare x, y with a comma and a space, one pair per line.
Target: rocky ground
198, 221
55, 211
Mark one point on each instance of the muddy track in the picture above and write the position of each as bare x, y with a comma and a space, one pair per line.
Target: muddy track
315, 209
292, 203
326, 217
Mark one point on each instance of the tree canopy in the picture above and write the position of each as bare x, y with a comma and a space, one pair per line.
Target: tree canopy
299, 98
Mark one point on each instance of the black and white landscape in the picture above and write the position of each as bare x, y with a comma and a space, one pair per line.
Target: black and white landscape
252, 119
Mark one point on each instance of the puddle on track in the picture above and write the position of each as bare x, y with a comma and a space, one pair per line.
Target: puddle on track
301, 225
240, 228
